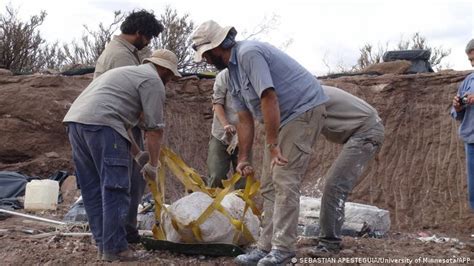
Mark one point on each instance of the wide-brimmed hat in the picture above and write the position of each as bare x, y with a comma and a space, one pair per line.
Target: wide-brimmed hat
207, 36
164, 58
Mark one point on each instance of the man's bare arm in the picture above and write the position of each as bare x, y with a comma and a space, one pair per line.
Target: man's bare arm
153, 140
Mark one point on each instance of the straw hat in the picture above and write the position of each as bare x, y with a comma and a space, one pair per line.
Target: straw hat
207, 36
164, 58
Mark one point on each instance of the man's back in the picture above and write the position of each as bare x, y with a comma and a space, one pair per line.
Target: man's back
117, 98
346, 114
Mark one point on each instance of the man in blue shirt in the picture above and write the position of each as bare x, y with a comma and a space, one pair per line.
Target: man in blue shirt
463, 110
270, 86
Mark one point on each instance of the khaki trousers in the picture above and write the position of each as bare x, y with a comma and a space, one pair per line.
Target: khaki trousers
356, 154
280, 187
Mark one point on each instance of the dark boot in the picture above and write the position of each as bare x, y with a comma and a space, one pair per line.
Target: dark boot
251, 258
277, 257
126, 255
323, 251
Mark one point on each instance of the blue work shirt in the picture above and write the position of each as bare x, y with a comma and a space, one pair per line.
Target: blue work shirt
256, 66
466, 116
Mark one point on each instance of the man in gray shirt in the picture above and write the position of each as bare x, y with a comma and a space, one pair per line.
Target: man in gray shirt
125, 50
97, 122
270, 86
222, 151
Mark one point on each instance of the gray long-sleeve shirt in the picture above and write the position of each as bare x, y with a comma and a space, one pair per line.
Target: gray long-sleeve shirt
346, 115
117, 98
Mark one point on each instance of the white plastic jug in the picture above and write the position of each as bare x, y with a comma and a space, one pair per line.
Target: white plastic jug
41, 195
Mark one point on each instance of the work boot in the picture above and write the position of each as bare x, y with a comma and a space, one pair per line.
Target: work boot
323, 251
133, 238
277, 257
251, 258
126, 255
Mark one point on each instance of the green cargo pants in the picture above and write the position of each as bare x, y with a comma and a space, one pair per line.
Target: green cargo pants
219, 162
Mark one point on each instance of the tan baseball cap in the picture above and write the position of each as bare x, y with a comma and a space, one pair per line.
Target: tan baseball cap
207, 36
164, 58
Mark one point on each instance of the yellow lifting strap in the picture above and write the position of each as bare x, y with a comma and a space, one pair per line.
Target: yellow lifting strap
216, 205
188, 176
158, 196
193, 181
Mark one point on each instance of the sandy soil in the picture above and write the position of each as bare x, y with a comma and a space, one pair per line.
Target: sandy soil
21, 247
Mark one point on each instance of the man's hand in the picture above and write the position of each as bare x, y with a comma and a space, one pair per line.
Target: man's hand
276, 157
470, 98
149, 171
244, 168
230, 129
456, 105
142, 158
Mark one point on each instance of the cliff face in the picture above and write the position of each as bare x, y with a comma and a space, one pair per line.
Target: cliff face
419, 175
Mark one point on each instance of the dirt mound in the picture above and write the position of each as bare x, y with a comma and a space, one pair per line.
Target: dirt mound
419, 174
393, 67
31, 108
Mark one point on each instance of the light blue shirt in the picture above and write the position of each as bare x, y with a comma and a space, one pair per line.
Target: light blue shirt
256, 66
466, 116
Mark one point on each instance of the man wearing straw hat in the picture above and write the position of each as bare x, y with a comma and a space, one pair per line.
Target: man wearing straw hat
97, 123
128, 49
268, 85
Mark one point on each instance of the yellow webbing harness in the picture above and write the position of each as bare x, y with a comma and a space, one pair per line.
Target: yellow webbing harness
193, 182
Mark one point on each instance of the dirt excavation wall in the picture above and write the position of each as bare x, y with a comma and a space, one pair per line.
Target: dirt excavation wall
419, 174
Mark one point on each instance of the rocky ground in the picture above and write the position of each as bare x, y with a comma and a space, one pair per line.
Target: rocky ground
22, 246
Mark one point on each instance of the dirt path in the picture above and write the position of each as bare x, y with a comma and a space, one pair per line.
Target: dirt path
21, 248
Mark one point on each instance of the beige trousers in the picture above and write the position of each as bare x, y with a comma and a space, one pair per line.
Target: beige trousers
280, 186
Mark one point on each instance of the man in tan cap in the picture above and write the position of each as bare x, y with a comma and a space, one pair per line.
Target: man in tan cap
268, 85
97, 123
128, 49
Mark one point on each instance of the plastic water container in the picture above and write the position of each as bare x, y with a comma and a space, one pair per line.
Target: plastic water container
41, 195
